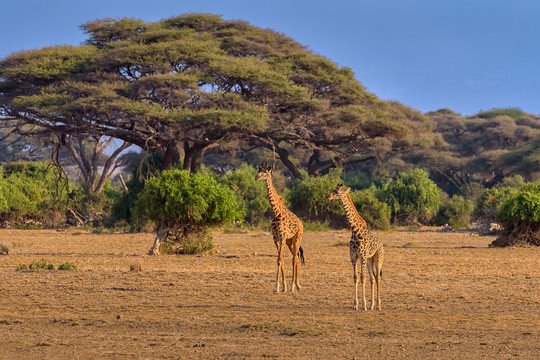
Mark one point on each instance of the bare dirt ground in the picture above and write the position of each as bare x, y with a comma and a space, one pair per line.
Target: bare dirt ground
445, 296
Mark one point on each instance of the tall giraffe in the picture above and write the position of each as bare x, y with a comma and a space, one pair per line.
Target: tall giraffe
364, 246
286, 229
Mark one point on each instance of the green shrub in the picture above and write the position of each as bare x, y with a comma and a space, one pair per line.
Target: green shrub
187, 204
520, 217
251, 195
488, 203
308, 199
375, 212
412, 197
457, 211
515, 181
123, 208
28, 190
472, 191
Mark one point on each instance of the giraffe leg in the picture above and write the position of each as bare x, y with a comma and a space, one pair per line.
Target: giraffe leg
283, 275
363, 271
355, 273
377, 265
294, 245
371, 281
280, 271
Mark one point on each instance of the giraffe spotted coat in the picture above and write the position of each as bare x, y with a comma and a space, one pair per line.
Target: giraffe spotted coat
287, 229
364, 248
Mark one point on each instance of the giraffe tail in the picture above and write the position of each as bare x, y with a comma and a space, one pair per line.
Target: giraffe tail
301, 252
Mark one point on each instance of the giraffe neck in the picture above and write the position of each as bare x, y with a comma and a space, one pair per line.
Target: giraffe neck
353, 218
276, 202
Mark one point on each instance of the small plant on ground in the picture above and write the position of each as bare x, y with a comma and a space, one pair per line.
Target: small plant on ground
41, 265
4, 250
67, 266
45, 265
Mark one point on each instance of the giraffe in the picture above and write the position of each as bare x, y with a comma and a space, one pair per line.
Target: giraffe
286, 229
364, 246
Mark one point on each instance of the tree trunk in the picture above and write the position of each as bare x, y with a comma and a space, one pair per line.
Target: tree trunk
284, 157
193, 155
171, 156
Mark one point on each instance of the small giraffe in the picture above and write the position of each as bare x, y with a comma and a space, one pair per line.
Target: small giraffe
286, 229
364, 246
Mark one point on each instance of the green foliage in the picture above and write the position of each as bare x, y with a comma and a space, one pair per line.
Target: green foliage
471, 191
513, 112
40, 265
524, 206
412, 197
251, 195
457, 211
28, 190
515, 181
315, 226
177, 198
123, 208
308, 199
67, 266
520, 216
45, 265
188, 203
21, 267
489, 202
375, 212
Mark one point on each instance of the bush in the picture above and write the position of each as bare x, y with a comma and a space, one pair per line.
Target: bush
376, 213
251, 195
308, 199
28, 191
520, 217
472, 191
412, 197
456, 212
515, 181
187, 205
122, 210
488, 203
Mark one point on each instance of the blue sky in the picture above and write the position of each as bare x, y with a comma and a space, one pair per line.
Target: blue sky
466, 55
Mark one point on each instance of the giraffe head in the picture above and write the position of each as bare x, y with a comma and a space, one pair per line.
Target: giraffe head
338, 192
264, 172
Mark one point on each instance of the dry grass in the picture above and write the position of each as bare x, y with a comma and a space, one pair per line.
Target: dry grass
448, 296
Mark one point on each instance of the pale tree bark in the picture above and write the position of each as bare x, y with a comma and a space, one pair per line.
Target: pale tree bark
90, 162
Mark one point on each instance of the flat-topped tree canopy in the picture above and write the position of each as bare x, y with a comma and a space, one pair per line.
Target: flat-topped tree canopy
199, 80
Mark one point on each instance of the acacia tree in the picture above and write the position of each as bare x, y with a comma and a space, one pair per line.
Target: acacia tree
197, 81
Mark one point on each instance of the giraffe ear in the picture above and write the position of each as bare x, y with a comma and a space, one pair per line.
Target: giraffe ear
346, 191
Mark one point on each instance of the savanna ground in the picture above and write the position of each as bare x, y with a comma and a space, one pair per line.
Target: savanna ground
445, 296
